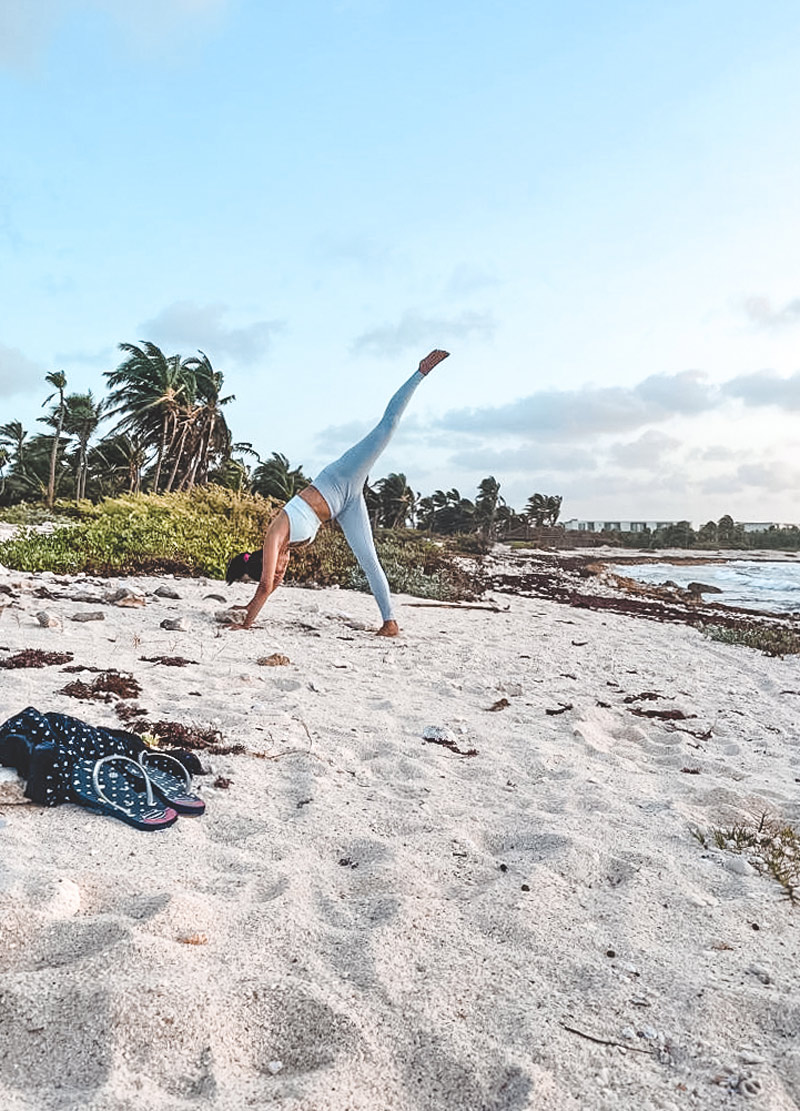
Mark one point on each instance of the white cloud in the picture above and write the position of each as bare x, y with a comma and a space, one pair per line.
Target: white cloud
760, 311
201, 327
644, 453
768, 476
526, 458
415, 331
18, 373
765, 387
572, 414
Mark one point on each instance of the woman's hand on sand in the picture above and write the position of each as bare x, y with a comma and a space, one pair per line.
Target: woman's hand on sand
432, 360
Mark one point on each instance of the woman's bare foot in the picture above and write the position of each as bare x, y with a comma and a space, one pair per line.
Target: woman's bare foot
388, 629
432, 360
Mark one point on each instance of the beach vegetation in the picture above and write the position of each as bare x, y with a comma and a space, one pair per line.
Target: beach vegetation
772, 640
771, 846
197, 532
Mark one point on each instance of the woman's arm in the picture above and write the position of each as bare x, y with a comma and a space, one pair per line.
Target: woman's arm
276, 556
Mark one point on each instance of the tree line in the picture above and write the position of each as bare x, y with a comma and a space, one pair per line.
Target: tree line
168, 432
724, 533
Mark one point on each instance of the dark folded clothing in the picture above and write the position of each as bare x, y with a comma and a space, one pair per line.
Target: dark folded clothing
44, 747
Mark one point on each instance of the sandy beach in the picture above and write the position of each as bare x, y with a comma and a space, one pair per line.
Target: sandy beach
365, 919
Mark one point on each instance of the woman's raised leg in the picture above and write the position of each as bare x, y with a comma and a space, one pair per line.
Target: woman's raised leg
349, 472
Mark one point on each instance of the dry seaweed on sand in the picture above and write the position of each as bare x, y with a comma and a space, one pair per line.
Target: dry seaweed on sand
193, 737
168, 661
446, 742
561, 709
105, 687
662, 715
74, 668
129, 711
35, 657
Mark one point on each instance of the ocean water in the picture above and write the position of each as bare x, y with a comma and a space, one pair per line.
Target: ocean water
771, 587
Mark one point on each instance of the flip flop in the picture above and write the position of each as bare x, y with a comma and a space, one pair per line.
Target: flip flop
171, 781
126, 792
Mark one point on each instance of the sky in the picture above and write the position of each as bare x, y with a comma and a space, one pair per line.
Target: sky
593, 207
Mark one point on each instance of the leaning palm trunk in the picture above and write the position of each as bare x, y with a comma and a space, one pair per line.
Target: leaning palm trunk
178, 456
162, 447
82, 469
51, 484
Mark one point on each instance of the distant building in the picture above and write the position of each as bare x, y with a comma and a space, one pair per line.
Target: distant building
574, 525
758, 526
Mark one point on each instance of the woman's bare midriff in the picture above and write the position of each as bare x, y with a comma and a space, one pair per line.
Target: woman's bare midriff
312, 495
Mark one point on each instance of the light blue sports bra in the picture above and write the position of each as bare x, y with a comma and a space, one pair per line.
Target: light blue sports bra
303, 521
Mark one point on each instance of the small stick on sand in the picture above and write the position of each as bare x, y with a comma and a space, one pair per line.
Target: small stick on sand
455, 606
605, 1041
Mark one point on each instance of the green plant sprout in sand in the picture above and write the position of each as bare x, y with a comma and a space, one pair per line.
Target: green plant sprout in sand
771, 846
768, 639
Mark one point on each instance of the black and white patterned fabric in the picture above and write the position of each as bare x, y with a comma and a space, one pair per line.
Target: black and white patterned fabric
44, 748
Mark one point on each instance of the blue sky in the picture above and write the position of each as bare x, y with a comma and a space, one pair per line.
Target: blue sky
594, 207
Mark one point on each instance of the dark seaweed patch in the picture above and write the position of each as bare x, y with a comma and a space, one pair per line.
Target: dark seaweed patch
35, 657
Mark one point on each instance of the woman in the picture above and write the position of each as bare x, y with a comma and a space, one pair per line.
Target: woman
336, 494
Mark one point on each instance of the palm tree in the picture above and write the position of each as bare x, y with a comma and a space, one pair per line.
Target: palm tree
536, 509
396, 501
83, 415
487, 504
13, 436
32, 478
151, 389
116, 464
211, 437
5, 458
553, 509
426, 513
450, 512
57, 379
277, 479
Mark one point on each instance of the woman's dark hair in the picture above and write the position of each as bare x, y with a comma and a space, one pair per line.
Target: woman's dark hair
246, 563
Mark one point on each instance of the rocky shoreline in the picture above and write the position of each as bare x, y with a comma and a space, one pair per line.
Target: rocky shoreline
584, 581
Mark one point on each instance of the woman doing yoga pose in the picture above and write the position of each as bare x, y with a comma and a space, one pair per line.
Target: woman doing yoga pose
336, 494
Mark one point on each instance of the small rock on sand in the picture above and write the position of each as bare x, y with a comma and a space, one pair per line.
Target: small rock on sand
439, 733
231, 616
275, 660
48, 620
89, 615
126, 597
175, 624
166, 592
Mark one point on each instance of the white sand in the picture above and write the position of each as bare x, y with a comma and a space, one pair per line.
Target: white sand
389, 925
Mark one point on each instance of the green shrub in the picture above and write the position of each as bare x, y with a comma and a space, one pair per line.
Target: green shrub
37, 513
413, 565
772, 640
193, 534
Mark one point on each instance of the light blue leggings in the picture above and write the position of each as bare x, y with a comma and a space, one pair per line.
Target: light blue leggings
342, 486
